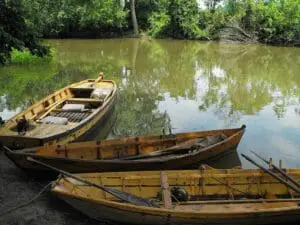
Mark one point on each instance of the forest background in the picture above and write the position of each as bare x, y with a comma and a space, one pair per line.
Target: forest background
24, 22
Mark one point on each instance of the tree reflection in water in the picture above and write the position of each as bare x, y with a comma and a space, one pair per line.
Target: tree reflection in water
229, 80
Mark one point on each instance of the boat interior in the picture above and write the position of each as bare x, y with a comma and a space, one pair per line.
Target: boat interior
62, 110
206, 189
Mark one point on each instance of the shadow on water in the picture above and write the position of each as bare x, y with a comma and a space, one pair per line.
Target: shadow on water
226, 161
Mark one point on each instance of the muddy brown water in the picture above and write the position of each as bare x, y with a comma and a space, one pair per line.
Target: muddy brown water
162, 84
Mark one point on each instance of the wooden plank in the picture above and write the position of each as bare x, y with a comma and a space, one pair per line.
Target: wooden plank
90, 100
51, 108
100, 77
166, 194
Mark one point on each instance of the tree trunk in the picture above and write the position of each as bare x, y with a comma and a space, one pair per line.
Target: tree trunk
133, 17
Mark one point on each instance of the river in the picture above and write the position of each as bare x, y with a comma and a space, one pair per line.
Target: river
184, 85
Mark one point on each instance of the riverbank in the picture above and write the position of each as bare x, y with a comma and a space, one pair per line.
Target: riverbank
17, 189
228, 34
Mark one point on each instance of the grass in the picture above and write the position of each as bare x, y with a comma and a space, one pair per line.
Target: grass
25, 57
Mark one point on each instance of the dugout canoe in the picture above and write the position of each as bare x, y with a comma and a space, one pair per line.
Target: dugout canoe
208, 197
175, 151
62, 117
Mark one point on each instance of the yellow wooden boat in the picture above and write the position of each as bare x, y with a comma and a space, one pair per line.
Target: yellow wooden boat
176, 151
61, 117
205, 197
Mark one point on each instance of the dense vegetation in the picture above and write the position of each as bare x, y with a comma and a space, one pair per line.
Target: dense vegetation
18, 30
266, 21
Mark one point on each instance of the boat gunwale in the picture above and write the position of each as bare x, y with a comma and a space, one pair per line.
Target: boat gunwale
239, 131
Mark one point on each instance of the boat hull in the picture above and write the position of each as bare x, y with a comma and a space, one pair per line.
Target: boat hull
213, 196
84, 166
126, 216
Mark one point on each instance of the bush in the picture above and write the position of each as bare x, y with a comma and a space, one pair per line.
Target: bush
25, 57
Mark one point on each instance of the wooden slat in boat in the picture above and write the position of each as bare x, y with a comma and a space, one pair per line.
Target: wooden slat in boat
108, 155
39, 134
84, 100
209, 200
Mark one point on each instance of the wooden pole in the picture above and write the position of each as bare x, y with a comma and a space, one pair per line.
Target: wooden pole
272, 174
279, 170
166, 194
127, 197
100, 77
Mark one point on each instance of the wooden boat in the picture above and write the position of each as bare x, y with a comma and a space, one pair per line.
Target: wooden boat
208, 197
61, 117
176, 151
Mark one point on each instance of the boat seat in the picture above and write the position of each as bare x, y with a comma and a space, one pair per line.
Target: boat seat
54, 120
73, 107
84, 100
100, 93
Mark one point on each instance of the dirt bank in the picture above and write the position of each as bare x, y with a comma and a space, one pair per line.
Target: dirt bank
16, 189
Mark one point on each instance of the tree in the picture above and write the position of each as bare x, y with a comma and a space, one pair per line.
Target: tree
211, 4
133, 17
177, 19
15, 32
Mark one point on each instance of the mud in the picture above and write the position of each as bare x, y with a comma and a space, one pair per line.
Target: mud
16, 189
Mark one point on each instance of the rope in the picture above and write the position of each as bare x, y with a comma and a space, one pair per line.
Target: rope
27, 203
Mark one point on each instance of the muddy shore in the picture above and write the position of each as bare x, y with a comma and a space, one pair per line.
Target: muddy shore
16, 189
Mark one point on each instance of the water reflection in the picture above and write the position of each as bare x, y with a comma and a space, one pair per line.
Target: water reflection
244, 79
185, 85
227, 161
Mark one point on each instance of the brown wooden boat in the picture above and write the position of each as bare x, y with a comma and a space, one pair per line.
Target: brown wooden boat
205, 197
182, 150
61, 117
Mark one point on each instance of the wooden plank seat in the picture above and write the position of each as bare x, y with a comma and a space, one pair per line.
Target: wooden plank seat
84, 100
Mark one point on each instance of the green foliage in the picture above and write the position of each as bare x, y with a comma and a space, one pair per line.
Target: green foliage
185, 18
210, 21
177, 19
71, 16
279, 21
25, 57
159, 21
16, 30
95, 14
273, 21
144, 9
